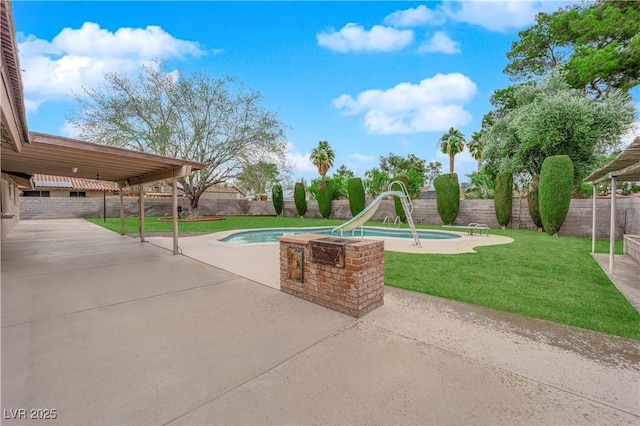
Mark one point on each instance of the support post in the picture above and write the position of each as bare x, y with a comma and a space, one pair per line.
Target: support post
612, 230
121, 210
174, 206
141, 225
104, 205
593, 221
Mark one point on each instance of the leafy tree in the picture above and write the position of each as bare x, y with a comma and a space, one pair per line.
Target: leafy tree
300, 198
551, 119
278, 199
503, 199
259, 178
214, 121
533, 202
397, 203
432, 170
356, 195
447, 197
555, 192
475, 146
325, 196
322, 157
483, 184
344, 172
452, 143
596, 44
338, 186
414, 168
377, 182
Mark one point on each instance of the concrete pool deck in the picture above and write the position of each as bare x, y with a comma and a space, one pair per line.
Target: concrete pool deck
107, 330
264, 256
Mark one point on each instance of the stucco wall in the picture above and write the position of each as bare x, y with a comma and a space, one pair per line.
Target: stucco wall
10, 207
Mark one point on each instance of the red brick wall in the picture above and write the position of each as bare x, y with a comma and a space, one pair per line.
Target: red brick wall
355, 290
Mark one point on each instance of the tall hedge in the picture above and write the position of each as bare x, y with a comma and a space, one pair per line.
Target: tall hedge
533, 202
355, 190
503, 198
396, 201
325, 196
447, 197
556, 184
278, 199
300, 198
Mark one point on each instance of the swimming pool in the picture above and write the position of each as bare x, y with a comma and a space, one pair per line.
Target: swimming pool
270, 235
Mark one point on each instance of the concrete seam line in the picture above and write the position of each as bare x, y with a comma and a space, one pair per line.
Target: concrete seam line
121, 302
421, 342
267, 371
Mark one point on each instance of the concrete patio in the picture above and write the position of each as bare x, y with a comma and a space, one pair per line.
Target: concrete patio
107, 330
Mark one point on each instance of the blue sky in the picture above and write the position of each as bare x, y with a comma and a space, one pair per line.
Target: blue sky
370, 77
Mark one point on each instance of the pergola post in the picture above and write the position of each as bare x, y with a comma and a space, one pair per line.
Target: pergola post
174, 207
593, 221
141, 225
121, 210
612, 226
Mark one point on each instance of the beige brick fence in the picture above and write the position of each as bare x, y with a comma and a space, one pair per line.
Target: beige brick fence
578, 221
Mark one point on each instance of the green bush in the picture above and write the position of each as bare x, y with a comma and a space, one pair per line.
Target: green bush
278, 199
534, 203
503, 198
355, 189
300, 198
447, 197
556, 184
396, 201
325, 195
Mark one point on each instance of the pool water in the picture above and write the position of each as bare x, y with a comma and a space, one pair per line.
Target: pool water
270, 235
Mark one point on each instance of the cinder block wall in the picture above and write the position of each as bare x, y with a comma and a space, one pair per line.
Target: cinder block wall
578, 221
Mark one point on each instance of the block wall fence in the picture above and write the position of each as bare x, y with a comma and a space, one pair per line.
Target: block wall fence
578, 221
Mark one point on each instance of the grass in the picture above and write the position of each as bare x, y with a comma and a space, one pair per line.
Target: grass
554, 279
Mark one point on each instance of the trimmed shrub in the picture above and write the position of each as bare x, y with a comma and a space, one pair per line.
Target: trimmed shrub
556, 184
534, 203
300, 198
447, 197
503, 198
325, 196
278, 199
396, 201
355, 189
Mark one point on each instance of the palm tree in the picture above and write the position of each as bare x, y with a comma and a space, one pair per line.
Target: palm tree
322, 157
476, 146
452, 143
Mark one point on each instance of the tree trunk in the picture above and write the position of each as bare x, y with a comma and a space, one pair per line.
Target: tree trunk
451, 156
193, 205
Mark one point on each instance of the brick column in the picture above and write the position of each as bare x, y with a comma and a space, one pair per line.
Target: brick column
355, 289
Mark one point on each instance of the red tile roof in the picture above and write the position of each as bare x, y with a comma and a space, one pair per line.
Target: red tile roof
43, 182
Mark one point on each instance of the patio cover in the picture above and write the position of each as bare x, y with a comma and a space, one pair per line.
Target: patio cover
57, 155
625, 167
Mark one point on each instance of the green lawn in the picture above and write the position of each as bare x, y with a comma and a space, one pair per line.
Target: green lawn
537, 275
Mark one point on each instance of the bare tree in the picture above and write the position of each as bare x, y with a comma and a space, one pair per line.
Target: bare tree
215, 121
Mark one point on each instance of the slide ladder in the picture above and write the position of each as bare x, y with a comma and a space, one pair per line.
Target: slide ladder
408, 210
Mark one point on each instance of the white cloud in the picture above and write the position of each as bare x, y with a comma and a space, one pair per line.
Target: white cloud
434, 104
498, 15
365, 159
354, 38
300, 161
415, 17
69, 130
440, 42
631, 134
56, 68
